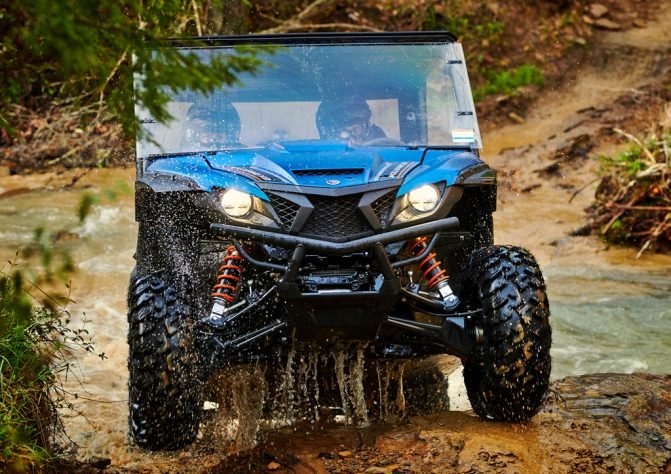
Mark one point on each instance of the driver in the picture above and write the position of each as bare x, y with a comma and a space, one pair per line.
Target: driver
212, 125
348, 119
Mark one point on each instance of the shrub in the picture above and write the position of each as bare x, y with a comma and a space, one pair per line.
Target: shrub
633, 199
36, 346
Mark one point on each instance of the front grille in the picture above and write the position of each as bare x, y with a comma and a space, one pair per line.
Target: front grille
286, 210
335, 217
382, 207
337, 172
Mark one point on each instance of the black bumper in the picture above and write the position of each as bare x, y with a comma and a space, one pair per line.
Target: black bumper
336, 248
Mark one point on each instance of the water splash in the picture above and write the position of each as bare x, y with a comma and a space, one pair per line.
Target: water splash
390, 389
249, 399
238, 393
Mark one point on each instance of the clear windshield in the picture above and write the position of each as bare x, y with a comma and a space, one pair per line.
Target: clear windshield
392, 95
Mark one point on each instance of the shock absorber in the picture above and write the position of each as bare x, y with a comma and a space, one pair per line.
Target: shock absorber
430, 269
224, 292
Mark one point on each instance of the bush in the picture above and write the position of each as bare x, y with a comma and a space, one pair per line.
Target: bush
508, 81
633, 199
36, 343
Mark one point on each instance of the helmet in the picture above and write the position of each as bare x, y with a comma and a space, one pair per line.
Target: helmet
344, 119
212, 125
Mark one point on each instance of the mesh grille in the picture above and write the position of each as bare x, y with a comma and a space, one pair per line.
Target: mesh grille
335, 217
339, 172
286, 210
382, 207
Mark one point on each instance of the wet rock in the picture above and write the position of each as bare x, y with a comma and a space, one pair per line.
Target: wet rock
574, 150
376, 470
98, 462
606, 24
65, 236
516, 118
597, 10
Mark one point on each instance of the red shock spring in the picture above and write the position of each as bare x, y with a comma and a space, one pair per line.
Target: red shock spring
430, 266
230, 275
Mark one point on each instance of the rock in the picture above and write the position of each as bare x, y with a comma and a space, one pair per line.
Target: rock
98, 462
575, 150
376, 470
606, 24
273, 466
638, 23
597, 10
516, 118
345, 454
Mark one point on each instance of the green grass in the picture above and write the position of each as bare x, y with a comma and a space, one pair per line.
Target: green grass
508, 81
36, 343
26, 412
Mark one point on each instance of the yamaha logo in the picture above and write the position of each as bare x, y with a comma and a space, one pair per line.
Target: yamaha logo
332, 182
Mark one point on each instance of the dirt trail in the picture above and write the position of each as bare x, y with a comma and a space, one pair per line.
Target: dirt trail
625, 64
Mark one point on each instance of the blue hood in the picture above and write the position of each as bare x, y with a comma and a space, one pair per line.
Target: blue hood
315, 163
318, 164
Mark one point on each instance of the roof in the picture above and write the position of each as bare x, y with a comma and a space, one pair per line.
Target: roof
317, 38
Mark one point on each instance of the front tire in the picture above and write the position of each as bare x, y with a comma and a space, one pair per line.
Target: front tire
507, 376
164, 393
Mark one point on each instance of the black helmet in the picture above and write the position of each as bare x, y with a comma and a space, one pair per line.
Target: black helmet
212, 124
344, 119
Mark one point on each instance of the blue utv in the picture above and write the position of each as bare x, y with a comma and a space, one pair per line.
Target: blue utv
332, 200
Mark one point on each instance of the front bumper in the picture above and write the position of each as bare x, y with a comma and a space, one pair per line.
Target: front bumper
350, 314
335, 248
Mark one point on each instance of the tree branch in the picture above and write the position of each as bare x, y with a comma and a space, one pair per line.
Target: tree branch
286, 28
297, 22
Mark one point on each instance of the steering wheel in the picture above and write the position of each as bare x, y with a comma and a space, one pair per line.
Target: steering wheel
383, 141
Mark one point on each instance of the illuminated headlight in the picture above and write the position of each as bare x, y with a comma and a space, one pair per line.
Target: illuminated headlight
236, 203
424, 199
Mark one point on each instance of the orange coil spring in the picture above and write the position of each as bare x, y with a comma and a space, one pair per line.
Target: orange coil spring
430, 266
229, 276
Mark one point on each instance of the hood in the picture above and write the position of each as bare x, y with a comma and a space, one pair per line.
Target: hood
319, 163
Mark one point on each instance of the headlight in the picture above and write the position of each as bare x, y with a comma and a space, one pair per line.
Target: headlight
236, 203
424, 199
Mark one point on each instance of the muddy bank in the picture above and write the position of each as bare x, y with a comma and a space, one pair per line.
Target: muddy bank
591, 423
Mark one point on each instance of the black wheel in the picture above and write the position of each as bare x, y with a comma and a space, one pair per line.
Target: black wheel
164, 394
507, 376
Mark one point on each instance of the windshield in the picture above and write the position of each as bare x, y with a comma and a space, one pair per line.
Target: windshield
390, 95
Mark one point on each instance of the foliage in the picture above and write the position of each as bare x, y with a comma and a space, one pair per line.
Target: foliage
633, 199
91, 51
508, 81
36, 347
